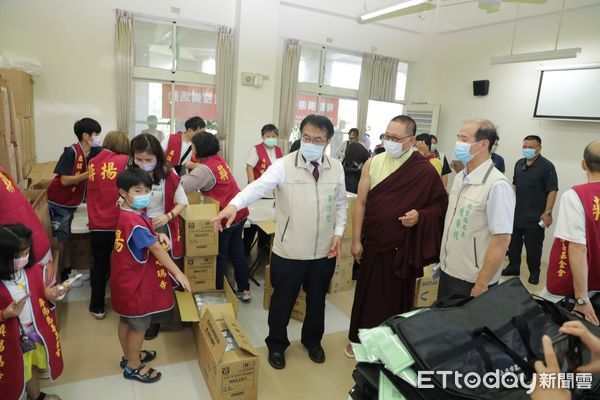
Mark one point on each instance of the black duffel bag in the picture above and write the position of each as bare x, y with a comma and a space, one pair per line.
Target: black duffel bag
498, 332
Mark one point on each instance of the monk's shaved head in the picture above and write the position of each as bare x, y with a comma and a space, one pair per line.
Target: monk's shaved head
591, 156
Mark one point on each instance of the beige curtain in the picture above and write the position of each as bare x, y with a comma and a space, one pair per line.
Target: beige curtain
124, 66
378, 78
224, 88
289, 86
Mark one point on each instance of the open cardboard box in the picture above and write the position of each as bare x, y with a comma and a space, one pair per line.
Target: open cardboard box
229, 374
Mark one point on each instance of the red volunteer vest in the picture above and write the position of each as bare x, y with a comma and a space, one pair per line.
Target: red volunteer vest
174, 146
16, 209
264, 161
70, 196
137, 287
560, 277
171, 184
225, 187
102, 190
44, 320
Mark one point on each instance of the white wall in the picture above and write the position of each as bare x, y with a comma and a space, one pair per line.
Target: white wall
74, 40
464, 56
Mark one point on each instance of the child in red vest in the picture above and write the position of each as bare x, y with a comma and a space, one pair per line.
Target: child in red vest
28, 333
67, 190
214, 178
139, 282
167, 202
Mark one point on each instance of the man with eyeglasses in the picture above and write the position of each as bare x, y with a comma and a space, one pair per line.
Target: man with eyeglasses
480, 215
311, 216
397, 228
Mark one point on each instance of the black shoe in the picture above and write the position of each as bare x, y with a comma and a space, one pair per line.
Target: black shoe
276, 359
152, 332
508, 271
534, 279
317, 354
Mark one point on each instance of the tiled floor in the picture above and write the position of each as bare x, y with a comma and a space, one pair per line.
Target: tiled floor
92, 352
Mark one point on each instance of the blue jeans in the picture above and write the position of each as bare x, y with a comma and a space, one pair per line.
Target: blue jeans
231, 246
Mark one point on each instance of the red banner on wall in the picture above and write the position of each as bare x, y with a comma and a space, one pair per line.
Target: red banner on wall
307, 104
190, 101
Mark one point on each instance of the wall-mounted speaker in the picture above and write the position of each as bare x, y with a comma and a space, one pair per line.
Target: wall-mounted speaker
481, 88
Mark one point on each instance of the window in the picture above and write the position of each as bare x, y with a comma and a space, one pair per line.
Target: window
342, 70
379, 115
401, 81
173, 75
309, 66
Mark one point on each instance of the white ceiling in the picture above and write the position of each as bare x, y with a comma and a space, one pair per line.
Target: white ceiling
448, 16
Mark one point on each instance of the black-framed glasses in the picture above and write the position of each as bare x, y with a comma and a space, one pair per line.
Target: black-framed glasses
314, 140
394, 138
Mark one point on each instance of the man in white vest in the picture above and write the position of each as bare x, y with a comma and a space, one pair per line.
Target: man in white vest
311, 208
480, 216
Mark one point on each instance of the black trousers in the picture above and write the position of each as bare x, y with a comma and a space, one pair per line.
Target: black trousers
286, 277
102, 245
534, 242
450, 285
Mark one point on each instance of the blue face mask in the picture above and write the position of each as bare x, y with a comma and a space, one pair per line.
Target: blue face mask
271, 142
529, 153
141, 201
433, 147
462, 152
311, 151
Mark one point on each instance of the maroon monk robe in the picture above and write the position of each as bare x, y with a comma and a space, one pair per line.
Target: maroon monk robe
393, 255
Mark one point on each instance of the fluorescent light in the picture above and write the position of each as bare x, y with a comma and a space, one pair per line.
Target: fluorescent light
396, 6
536, 56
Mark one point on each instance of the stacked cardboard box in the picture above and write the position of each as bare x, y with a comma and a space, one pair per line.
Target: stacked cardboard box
16, 109
342, 277
41, 175
299, 310
351, 201
201, 242
227, 359
39, 202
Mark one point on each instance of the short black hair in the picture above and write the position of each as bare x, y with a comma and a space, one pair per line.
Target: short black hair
591, 156
320, 122
405, 119
425, 138
206, 144
352, 130
269, 128
195, 123
147, 143
534, 137
486, 131
433, 137
14, 238
133, 176
86, 125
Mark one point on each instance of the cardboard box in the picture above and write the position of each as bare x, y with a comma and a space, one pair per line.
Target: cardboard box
351, 201
299, 310
8, 157
426, 288
26, 142
39, 202
42, 172
342, 277
200, 237
21, 84
81, 251
201, 272
229, 373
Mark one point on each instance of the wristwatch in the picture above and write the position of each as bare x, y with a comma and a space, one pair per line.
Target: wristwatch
582, 300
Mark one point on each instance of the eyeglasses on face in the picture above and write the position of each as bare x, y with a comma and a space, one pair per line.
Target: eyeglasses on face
313, 140
394, 138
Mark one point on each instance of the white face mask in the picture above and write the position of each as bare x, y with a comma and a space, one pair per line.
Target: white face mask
148, 167
394, 149
21, 262
96, 141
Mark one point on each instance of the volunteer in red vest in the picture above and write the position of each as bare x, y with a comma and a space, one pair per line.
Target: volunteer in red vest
214, 178
260, 158
16, 209
67, 190
25, 310
140, 285
103, 211
574, 267
178, 146
166, 204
